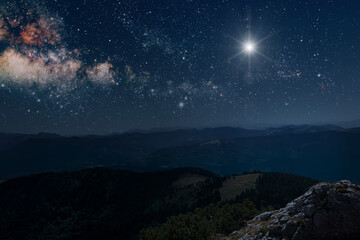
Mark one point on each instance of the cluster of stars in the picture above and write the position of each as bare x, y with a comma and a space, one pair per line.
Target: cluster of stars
130, 64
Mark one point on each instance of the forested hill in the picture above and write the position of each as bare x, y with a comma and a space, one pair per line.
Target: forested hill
99, 203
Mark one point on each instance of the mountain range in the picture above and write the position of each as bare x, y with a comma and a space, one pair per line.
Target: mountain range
328, 152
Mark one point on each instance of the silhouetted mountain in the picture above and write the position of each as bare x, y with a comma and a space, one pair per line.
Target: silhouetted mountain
301, 129
98, 203
8, 140
354, 130
325, 155
324, 152
191, 136
349, 124
159, 139
175, 137
40, 155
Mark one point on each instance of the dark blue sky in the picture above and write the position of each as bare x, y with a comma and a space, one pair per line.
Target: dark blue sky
78, 67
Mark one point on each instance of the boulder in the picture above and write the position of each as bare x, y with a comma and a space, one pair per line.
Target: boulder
326, 211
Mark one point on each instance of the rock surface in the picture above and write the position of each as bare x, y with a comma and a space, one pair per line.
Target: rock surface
326, 211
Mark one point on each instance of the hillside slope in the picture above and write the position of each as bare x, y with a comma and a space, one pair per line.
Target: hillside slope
98, 203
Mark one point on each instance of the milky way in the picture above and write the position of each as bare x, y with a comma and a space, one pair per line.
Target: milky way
72, 66
36, 54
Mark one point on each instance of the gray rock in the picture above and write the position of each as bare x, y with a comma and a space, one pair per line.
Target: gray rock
325, 211
264, 216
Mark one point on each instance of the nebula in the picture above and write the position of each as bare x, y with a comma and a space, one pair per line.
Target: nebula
35, 53
29, 26
22, 70
101, 73
39, 33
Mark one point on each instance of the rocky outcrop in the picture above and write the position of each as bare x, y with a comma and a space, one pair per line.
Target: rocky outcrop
326, 211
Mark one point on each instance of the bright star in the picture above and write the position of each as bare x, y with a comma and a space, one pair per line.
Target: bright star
249, 47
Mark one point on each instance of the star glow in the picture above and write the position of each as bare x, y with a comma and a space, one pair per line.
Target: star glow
249, 47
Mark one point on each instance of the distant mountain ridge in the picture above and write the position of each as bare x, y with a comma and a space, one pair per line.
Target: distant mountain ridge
8, 140
324, 152
171, 137
299, 129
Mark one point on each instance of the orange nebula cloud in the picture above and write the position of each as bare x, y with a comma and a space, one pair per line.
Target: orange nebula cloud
39, 33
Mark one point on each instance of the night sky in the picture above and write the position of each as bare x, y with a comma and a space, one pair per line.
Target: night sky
104, 66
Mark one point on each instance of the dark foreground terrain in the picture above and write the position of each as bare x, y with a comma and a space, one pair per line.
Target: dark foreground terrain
99, 203
325, 212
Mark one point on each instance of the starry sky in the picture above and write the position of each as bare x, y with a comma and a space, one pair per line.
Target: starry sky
105, 66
